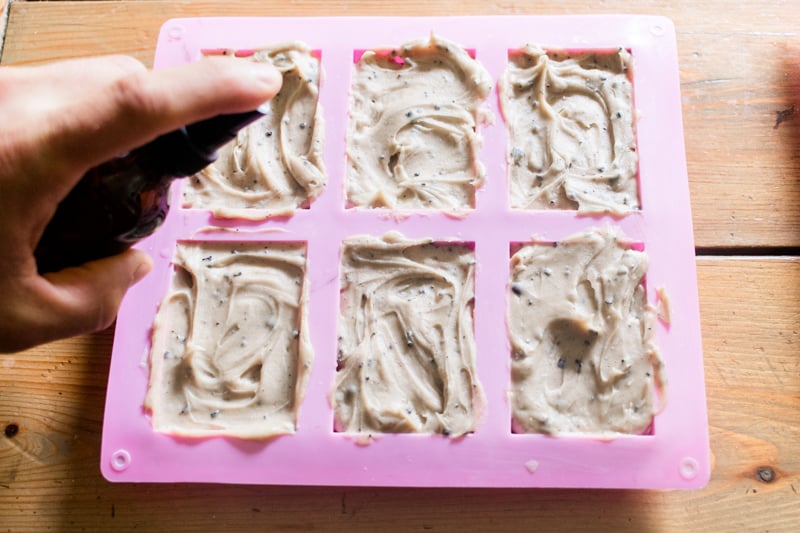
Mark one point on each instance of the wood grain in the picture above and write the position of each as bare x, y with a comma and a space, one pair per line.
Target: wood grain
50, 479
740, 65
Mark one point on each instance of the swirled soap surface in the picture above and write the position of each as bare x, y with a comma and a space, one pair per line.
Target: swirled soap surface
570, 119
406, 339
413, 137
231, 351
584, 358
275, 165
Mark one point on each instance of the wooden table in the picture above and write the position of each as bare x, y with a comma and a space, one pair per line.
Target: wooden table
740, 76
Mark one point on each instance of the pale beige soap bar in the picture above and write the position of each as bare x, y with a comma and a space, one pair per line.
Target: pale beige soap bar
275, 165
231, 351
413, 138
406, 338
584, 358
570, 119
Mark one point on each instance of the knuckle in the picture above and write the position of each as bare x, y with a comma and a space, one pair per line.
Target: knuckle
132, 97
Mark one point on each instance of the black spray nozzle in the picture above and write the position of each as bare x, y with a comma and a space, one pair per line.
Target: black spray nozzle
192, 148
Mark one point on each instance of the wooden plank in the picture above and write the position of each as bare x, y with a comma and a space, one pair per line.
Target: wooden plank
49, 471
740, 65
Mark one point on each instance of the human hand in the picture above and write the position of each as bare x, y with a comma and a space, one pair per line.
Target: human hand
60, 120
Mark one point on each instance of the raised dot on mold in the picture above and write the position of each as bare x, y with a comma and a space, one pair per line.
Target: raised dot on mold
532, 465
120, 460
689, 467
657, 30
175, 33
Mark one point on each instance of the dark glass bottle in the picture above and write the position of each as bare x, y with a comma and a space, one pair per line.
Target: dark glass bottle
124, 200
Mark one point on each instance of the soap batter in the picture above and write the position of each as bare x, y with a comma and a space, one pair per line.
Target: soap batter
275, 165
231, 352
570, 119
406, 341
583, 354
412, 141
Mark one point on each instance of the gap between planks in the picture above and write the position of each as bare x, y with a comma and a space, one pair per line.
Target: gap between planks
754, 252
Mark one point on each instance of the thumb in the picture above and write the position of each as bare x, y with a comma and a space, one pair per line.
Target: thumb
86, 298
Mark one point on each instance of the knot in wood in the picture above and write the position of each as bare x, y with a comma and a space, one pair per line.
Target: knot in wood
765, 474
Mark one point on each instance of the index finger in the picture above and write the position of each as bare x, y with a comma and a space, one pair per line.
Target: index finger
135, 108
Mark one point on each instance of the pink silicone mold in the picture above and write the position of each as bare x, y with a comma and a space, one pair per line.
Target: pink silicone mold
673, 455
